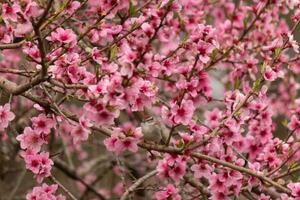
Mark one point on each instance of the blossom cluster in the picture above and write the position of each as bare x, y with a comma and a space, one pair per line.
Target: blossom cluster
31, 142
44, 192
125, 137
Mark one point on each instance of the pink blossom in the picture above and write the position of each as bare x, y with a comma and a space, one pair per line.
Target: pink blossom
119, 189
293, 43
31, 139
79, 133
65, 36
23, 28
72, 7
183, 113
44, 192
124, 138
32, 51
264, 197
168, 192
32, 9
42, 124
201, 170
147, 29
40, 164
6, 34
269, 74
186, 137
212, 117
295, 188
101, 113
97, 56
5, 116
84, 122
3, 136
10, 12
172, 167
204, 50
219, 195
294, 124
217, 184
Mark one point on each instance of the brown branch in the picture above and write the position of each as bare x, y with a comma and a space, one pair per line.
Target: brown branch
244, 170
12, 87
72, 174
198, 185
287, 173
42, 49
63, 187
12, 45
45, 13
137, 184
283, 163
258, 175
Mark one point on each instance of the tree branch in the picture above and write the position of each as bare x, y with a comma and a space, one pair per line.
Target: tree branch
139, 182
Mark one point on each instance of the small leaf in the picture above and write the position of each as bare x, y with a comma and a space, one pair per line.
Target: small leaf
169, 3
180, 20
88, 49
27, 36
131, 9
293, 165
256, 85
245, 22
263, 66
185, 37
226, 52
213, 54
284, 122
236, 84
113, 52
180, 144
62, 6
277, 52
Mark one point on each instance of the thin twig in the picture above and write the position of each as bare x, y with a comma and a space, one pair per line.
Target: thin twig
63, 187
17, 185
137, 184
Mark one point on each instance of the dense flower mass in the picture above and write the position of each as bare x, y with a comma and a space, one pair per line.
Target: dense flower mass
44, 192
5, 116
150, 99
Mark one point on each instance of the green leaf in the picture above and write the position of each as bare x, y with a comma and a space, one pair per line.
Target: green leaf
62, 6
180, 144
170, 2
245, 22
180, 20
284, 122
277, 52
263, 66
256, 85
293, 165
236, 84
132, 9
113, 52
185, 37
27, 36
88, 49
213, 54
